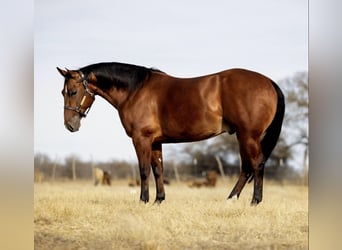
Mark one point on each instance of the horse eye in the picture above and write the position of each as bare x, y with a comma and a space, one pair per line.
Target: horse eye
73, 93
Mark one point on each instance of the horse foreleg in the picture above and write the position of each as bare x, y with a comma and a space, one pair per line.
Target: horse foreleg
144, 151
157, 167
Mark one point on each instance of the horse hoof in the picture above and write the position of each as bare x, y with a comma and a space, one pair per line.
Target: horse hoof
255, 202
232, 199
143, 201
159, 199
157, 202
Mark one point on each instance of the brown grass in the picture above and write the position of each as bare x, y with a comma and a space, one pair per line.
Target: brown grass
78, 215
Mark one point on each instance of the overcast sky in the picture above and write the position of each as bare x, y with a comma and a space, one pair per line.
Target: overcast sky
182, 38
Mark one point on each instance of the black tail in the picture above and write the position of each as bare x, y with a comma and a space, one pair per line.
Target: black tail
273, 131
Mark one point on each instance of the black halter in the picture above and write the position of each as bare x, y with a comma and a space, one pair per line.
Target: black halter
87, 93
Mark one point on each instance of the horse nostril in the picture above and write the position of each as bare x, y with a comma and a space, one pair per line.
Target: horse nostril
69, 127
73, 124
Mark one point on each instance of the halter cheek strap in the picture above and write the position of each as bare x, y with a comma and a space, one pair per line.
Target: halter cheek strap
87, 93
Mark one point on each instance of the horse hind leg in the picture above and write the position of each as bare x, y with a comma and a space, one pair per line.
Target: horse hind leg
245, 175
258, 183
252, 167
256, 158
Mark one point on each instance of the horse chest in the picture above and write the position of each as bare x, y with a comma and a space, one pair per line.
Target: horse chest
139, 119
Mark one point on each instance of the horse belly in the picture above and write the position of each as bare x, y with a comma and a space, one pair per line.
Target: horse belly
192, 127
193, 111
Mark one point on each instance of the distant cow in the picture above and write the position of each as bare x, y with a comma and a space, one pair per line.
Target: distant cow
197, 183
101, 176
210, 180
211, 177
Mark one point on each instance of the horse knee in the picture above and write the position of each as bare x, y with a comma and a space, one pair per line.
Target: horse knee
144, 173
144, 176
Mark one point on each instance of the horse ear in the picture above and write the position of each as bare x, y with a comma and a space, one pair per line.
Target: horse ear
63, 72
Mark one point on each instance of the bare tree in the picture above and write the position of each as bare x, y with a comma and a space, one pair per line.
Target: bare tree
295, 130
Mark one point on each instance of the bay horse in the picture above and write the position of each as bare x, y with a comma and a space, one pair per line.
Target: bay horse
157, 108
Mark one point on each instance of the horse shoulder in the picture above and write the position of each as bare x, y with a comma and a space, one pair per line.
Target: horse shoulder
139, 115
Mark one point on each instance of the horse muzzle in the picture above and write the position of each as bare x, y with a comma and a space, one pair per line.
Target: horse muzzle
73, 124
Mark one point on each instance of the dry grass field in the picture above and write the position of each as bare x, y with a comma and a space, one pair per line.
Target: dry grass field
77, 215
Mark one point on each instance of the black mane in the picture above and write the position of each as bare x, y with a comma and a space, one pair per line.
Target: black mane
120, 75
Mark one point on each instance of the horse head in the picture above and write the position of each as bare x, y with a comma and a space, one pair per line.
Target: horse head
78, 98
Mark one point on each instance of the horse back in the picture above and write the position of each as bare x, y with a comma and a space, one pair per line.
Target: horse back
188, 109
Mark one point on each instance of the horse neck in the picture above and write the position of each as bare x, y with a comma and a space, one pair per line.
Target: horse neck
114, 96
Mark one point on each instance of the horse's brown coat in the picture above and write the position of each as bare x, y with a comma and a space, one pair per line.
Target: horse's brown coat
166, 109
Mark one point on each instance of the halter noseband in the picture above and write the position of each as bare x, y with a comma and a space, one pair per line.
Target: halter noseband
86, 93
